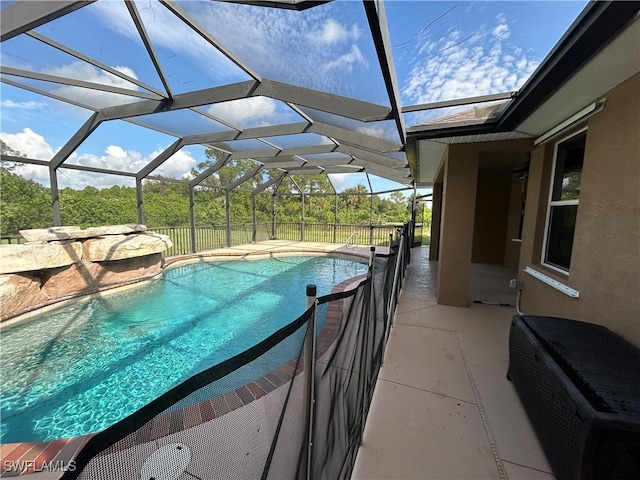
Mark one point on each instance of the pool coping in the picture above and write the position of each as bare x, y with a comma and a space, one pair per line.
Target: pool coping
25, 458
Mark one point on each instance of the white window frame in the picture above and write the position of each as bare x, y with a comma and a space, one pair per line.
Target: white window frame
556, 203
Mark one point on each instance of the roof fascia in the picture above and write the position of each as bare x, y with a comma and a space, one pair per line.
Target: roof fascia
598, 23
430, 132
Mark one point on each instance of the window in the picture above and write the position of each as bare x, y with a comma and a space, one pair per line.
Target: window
563, 201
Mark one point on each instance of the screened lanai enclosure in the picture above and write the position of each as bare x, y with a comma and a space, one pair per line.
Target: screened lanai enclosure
193, 77
245, 101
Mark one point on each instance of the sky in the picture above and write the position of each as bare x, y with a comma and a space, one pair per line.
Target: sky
442, 51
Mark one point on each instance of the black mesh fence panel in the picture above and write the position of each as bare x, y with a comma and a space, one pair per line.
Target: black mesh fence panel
349, 355
340, 386
239, 419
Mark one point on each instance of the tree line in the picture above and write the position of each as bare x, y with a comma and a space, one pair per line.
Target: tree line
26, 204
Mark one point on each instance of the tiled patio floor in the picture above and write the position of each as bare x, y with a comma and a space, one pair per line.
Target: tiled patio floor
443, 408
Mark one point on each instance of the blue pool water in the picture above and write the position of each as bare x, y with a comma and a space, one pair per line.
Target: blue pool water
79, 369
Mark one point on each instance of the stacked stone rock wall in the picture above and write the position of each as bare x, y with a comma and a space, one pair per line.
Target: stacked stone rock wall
62, 262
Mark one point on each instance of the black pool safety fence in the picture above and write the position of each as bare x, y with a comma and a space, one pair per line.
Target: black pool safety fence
293, 406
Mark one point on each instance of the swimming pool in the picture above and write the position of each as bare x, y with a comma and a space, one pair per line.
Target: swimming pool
81, 368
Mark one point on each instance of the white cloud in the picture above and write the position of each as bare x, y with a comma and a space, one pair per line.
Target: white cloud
332, 31
458, 65
248, 112
31, 105
89, 73
340, 181
168, 33
501, 32
116, 151
347, 61
278, 44
179, 165
115, 157
387, 131
29, 143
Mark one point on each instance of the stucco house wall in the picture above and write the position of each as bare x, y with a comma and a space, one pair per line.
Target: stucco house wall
605, 259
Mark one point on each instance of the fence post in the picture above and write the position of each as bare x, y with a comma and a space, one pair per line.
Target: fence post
254, 232
368, 322
139, 201
274, 233
309, 370
228, 212
335, 220
302, 221
393, 298
192, 219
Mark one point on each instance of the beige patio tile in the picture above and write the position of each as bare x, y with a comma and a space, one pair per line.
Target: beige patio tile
423, 435
426, 359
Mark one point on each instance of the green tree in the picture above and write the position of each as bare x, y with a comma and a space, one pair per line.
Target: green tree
27, 204
166, 204
7, 150
24, 204
354, 205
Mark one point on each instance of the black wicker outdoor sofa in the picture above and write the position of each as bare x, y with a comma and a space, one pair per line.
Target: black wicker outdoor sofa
580, 386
